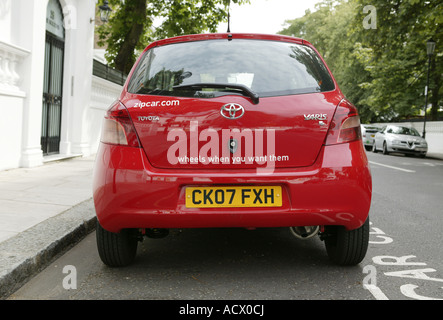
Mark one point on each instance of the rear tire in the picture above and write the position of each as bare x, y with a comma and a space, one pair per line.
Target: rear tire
116, 249
347, 247
374, 149
385, 148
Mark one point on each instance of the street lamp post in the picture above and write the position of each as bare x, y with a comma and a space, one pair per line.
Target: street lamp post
105, 11
430, 47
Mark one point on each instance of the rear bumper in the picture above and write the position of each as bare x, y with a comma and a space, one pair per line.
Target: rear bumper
368, 141
130, 193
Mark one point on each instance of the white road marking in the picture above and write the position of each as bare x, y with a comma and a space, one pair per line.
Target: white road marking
429, 164
391, 167
376, 292
408, 290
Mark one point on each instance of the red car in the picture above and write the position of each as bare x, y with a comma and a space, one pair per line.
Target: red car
231, 130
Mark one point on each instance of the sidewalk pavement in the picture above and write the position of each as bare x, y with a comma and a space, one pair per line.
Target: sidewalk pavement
435, 155
43, 210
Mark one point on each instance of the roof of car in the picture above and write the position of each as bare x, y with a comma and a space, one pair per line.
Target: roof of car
227, 36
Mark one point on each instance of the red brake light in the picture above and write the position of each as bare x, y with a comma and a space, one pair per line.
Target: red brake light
118, 127
345, 126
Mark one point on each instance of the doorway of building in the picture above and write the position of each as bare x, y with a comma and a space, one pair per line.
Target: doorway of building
53, 79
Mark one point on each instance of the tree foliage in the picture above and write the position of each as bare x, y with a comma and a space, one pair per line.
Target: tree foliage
130, 27
382, 70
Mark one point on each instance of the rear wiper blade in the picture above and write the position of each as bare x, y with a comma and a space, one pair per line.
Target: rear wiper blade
143, 90
198, 86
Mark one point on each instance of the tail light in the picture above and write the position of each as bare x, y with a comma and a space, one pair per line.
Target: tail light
118, 127
345, 126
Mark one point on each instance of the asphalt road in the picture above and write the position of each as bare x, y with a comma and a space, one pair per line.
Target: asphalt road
404, 260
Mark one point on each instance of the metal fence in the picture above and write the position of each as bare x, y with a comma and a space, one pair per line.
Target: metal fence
105, 72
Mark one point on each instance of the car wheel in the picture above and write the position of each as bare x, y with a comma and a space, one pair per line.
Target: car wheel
374, 149
347, 247
116, 249
385, 148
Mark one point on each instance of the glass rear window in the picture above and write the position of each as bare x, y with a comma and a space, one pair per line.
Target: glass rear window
268, 68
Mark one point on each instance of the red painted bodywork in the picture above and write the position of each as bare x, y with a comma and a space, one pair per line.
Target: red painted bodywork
322, 184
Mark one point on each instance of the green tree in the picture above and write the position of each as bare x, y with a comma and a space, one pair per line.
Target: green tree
381, 70
130, 27
399, 60
329, 29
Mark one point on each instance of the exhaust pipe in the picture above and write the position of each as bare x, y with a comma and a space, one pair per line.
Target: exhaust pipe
156, 233
304, 232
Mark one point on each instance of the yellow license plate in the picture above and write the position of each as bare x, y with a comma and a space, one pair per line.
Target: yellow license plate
233, 197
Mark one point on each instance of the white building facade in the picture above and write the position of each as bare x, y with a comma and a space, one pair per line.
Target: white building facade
51, 105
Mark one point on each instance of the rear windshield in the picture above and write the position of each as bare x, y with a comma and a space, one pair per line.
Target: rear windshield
268, 68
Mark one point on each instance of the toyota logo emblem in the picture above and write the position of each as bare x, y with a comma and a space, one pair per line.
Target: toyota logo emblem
232, 111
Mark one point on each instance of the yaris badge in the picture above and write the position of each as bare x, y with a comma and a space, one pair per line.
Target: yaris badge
232, 111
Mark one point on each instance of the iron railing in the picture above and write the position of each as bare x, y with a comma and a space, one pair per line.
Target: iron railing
104, 71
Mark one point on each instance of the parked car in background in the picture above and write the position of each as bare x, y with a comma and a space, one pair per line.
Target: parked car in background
368, 134
393, 138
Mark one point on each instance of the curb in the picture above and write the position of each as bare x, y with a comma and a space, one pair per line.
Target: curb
438, 156
26, 254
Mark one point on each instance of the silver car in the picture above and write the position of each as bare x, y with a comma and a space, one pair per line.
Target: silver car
368, 134
400, 139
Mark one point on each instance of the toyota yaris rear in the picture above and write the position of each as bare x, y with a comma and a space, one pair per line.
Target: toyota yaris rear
231, 130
